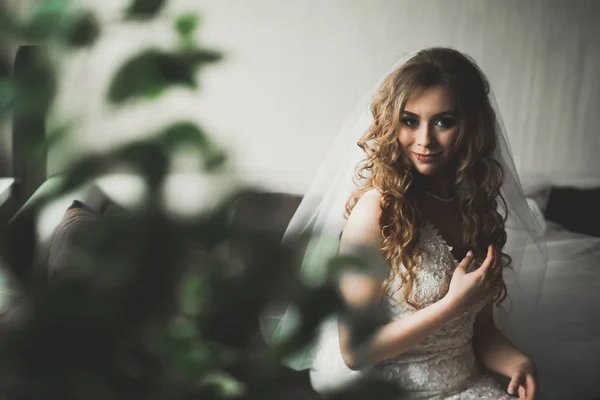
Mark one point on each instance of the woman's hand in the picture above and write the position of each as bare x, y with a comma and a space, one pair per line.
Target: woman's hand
524, 382
467, 288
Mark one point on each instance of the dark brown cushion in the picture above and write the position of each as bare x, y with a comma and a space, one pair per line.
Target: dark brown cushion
77, 219
266, 212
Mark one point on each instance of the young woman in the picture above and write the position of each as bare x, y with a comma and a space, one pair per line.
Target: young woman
425, 218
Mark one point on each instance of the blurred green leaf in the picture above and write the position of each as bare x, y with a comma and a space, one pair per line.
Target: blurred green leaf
208, 230
186, 25
199, 57
183, 328
145, 156
188, 357
53, 7
7, 85
315, 305
82, 31
193, 292
226, 386
189, 134
9, 27
365, 323
49, 18
82, 171
35, 85
185, 133
8, 93
18, 249
148, 305
5, 67
144, 8
147, 75
60, 132
150, 73
148, 157
8, 90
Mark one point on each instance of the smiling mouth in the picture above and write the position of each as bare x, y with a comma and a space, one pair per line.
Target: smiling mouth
426, 155
426, 158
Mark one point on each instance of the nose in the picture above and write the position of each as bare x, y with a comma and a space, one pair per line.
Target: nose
424, 136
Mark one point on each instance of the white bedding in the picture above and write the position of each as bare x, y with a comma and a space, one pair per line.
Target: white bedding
566, 345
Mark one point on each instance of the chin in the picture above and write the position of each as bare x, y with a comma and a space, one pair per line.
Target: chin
427, 170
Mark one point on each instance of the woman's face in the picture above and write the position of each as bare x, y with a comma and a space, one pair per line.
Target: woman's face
429, 127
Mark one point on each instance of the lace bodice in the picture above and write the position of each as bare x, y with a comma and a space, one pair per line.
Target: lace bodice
431, 284
432, 279
441, 366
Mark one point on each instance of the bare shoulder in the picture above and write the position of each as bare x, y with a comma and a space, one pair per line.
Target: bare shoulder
363, 223
362, 239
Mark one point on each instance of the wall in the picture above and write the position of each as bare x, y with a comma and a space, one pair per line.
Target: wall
293, 71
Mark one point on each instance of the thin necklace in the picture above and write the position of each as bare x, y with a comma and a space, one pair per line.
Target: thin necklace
444, 199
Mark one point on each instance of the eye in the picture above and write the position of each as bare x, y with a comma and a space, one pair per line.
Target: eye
445, 122
410, 122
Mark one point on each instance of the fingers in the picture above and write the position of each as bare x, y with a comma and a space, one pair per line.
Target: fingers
485, 267
466, 262
522, 393
495, 274
524, 386
489, 274
496, 257
531, 388
497, 260
514, 384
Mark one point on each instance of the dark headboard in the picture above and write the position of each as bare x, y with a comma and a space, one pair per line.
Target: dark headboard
576, 209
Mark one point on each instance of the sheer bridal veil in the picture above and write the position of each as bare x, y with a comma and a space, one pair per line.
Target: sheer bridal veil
320, 215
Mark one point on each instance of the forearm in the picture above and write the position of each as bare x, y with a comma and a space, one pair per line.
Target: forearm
497, 353
397, 336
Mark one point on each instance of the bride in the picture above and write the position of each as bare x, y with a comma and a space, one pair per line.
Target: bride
424, 215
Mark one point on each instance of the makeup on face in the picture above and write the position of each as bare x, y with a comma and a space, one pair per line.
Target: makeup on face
440, 121
429, 128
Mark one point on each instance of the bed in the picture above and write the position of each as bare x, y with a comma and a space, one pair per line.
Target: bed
566, 347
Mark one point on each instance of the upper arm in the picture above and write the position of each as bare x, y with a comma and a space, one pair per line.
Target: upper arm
362, 239
361, 289
484, 321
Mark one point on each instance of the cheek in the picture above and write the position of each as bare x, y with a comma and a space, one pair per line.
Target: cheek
404, 138
449, 139
448, 144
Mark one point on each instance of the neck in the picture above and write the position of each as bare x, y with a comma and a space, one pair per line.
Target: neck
439, 185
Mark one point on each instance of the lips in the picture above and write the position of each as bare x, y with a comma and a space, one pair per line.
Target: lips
426, 157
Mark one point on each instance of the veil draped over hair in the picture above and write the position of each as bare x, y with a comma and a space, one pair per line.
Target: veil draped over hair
321, 216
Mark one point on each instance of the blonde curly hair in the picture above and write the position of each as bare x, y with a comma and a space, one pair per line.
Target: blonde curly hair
477, 176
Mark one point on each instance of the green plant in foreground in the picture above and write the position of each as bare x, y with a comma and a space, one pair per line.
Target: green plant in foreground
148, 305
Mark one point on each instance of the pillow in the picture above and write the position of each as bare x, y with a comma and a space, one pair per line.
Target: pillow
49, 260
536, 188
77, 218
578, 210
537, 213
540, 198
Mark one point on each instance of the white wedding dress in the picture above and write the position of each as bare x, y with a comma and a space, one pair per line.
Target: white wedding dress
443, 365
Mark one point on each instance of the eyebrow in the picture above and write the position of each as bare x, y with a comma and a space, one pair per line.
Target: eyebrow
441, 114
